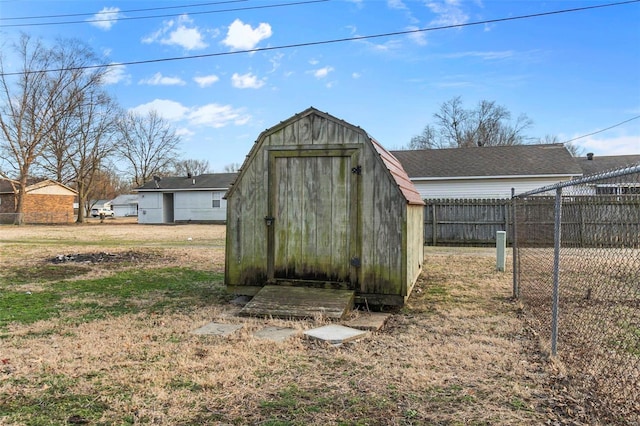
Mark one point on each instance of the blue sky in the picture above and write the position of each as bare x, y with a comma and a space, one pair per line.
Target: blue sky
571, 73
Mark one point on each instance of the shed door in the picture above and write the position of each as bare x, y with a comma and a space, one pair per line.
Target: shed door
314, 210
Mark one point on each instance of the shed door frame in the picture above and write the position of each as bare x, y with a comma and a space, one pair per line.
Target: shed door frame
350, 151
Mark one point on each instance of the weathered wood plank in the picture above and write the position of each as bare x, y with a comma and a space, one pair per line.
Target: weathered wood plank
305, 130
295, 200
323, 214
299, 302
381, 233
280, 188
340, 217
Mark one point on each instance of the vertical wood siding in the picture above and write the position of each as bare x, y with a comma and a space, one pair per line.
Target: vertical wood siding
324, 214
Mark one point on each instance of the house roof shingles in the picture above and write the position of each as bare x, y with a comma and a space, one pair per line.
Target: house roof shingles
208, 181
606, 163
513, 160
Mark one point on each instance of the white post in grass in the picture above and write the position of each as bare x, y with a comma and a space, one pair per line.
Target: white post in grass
501, 250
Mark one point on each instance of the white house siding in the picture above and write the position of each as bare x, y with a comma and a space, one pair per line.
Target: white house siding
194, 206
484, 188
150, 207
124, 210
198, 206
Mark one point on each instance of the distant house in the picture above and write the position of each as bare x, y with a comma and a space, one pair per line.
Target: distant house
591, 164
45, 201
184, 199
125, 205
487, 172
100, 204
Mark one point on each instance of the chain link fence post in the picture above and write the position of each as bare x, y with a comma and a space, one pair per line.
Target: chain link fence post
557, 244
514, 244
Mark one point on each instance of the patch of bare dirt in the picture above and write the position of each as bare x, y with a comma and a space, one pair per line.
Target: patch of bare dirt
103, 257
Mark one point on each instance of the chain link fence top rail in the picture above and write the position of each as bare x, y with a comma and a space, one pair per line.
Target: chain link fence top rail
577, 244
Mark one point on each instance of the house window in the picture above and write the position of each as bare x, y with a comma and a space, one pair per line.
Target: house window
606, 190
630, 190
215, 203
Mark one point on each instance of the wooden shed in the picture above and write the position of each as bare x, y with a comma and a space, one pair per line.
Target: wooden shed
319, 203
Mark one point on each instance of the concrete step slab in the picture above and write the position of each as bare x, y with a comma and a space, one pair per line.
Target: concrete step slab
299, 302
371, 321
217, 329
275, 334
335, 333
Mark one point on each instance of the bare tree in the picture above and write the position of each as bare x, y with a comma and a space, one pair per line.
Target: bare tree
192, 167
452, 121
106, 184
80, 142
428, 139
232, 167
456, 127
147, 144
574, 149
34, 101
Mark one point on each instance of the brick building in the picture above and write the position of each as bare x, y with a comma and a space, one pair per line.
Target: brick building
45, 201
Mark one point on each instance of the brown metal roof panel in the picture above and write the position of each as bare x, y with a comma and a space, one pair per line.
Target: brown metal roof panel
398, 173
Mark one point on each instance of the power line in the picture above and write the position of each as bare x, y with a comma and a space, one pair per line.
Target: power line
130, 18
603, 130
317, 43
121, 11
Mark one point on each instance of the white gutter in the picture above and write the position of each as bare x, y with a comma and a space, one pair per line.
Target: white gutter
570, 176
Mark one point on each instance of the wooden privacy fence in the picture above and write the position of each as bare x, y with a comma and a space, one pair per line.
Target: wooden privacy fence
465, 221
587, 221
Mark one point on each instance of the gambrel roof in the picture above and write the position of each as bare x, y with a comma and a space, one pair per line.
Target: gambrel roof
395, 168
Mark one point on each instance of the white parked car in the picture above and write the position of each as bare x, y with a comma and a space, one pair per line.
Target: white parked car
104, 212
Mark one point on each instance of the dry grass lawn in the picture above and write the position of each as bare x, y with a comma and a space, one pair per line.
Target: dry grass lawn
110, 343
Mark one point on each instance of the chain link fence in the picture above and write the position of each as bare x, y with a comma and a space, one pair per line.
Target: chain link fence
577, 274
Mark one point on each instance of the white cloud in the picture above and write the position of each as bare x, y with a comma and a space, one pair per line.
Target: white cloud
396, 4
115, 74
356, 75
419, 38
106, 18
206, 80
241, 36
178, 32
217, 116
209, 115
159, 80
275, 61
489, 55
184, 132
246, 81
448, 12
619, 145
170, 110
322, 72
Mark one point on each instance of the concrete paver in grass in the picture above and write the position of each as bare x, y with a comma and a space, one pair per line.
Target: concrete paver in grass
335, 334
372, 321
276, 334
217, 329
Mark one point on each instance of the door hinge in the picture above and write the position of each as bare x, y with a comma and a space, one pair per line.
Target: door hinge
355, 261
357, 170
